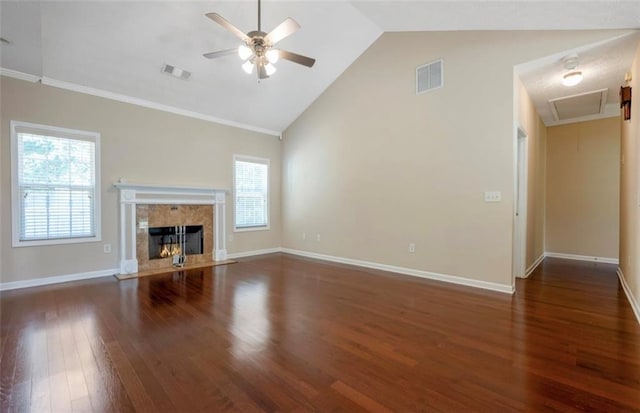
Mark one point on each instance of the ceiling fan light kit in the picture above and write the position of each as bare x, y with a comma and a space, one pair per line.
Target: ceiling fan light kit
247, 67
270, 69
272, 55
258, 48
244, 52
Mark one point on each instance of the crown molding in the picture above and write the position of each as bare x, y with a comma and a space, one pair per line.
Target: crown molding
131, 100
152, 105
19, 75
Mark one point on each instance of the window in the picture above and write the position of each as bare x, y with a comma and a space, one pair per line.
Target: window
251, 193
55, 185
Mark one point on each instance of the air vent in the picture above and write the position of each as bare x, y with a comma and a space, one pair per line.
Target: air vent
577, 106
429, 76
176, 72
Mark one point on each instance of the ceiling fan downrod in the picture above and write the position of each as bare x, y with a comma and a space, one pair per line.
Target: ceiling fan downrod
259, 17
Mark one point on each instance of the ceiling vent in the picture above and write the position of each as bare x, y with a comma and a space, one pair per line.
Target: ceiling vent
578, 106
176, 72
429, 77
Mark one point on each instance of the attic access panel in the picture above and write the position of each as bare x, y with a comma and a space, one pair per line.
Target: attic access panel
580, 105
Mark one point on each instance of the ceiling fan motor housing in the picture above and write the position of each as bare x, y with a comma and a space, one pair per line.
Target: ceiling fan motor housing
257, 43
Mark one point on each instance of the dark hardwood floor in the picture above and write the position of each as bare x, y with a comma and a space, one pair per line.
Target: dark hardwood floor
282, 333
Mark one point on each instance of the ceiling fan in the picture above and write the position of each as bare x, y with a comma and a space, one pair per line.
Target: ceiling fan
258, 48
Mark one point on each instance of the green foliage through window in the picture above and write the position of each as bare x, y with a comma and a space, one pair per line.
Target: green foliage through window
56, 184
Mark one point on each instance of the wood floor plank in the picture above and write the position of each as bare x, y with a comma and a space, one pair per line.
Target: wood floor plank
40, 395
290, 334
240, 401
363, 400
134, 388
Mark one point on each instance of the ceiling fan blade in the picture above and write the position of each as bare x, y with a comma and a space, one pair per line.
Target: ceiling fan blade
297, 58
220, 53
284, 29
227, 25
262, 72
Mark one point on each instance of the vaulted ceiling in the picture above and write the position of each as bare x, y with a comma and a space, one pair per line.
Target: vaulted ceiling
116, 49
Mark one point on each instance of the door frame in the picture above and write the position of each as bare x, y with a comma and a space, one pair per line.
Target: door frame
520, 204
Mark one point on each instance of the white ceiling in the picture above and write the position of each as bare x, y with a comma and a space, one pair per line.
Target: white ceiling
602, 64
116, 49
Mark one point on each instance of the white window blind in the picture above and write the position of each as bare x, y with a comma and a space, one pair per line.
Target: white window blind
54, 183
251, 193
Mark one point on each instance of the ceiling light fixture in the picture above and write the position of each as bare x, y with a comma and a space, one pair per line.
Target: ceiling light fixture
574, 76
572, 79
259, 48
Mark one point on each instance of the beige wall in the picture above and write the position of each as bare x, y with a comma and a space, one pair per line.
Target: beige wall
371, 166
536, 131
629, 185
583, 188
139, 144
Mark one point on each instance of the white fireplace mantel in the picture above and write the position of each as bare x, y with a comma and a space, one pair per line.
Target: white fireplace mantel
133, 194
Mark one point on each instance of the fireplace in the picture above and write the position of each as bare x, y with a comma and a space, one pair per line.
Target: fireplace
145, 208
165, 242
174, 235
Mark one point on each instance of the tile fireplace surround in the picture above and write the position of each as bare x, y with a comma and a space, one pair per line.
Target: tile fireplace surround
168, 205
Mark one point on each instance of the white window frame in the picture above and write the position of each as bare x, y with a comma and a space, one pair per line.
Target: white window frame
254, 159
15, 203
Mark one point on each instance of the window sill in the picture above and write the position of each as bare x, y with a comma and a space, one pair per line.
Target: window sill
251, 229
57, 241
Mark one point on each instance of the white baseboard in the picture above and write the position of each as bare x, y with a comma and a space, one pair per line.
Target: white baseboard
533, 266
503, 288
244, 254
632, 299
581, 257
35, 282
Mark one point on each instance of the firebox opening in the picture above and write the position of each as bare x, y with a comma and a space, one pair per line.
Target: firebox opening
164, 241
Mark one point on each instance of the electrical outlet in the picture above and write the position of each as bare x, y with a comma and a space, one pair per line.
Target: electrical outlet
304, 236
492, 196
107, 248
412, 248
318, 237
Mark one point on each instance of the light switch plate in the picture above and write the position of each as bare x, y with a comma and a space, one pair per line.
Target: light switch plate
492, 196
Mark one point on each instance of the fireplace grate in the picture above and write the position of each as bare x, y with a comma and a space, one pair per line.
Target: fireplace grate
166, 242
